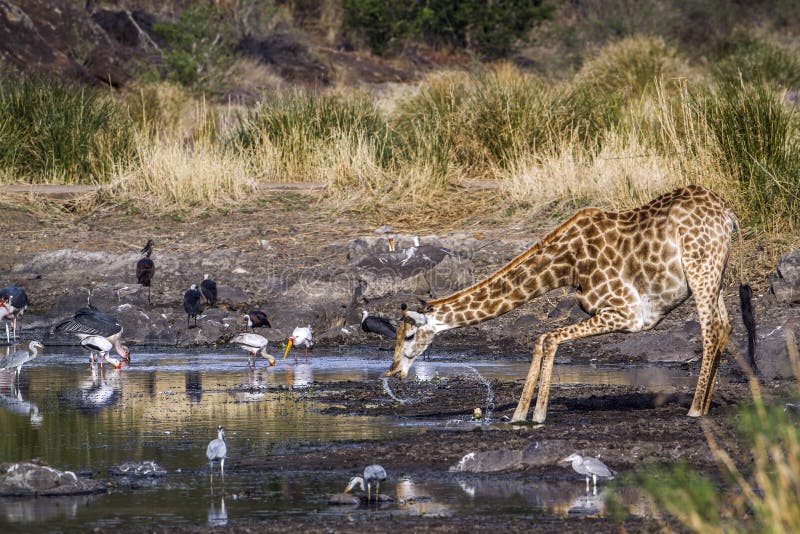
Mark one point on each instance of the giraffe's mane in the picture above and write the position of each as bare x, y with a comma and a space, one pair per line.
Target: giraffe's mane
514, 263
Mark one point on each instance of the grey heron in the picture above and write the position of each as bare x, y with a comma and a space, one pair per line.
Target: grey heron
256, 319
15, 302
589, 467
372, 474
254, 344
146, 268
217, 451
191, 304
378, 325
300, 336
208, 288
18, 358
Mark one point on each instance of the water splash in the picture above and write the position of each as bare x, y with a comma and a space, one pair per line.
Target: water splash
389, 391
489, 393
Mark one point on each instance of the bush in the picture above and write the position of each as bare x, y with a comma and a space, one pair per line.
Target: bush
51, 132
198, 46
487, 28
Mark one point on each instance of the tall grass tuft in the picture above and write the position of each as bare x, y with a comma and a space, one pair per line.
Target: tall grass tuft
631, 67
758, 60
300, 124
761, 496
56, 133
757, 142
490, 118
173, 176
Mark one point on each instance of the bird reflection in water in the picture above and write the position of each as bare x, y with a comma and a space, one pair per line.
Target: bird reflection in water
193, 383
28, 511
217, 517
299, 375
96, 392
12, 400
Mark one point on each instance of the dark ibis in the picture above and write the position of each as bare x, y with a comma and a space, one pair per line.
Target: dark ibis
378, 325
209, 289
192, 304
256, 319
146, 268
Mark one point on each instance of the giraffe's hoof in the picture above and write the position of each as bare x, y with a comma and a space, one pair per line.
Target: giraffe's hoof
694, 413
539, 418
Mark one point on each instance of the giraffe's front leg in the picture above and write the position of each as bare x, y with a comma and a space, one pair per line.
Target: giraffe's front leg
527, 391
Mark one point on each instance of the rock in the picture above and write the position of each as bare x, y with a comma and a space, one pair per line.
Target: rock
432, 270
659, 346
340, 499
231, 297
37, 478
535, 454
785, 281
773, 350
147, 468
489, 461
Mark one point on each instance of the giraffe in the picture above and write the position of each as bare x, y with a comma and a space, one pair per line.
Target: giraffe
629, 269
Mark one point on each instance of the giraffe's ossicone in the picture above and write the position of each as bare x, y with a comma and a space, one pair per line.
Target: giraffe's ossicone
629, 269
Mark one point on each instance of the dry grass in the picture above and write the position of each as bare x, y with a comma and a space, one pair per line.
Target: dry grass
175, 176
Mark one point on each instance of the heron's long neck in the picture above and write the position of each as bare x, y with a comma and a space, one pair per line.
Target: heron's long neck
541, 268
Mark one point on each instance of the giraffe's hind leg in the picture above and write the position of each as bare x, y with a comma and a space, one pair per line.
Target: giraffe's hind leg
724, 331
704, 278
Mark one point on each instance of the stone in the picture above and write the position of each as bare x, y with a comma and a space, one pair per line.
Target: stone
38, 479
785, 281
231, 297
774, 349
658, 346
146, 468
343, 499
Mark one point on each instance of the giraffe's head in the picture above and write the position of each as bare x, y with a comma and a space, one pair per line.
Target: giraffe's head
414, 334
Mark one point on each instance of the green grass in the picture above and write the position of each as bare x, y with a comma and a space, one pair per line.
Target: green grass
757, 139
52, 132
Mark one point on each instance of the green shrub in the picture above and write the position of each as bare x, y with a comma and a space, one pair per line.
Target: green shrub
51, 132
488, 28
198, 46
299, 122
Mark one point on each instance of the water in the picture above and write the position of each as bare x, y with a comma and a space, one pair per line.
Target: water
166, 407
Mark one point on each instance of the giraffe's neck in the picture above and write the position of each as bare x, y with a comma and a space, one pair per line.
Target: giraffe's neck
541, 268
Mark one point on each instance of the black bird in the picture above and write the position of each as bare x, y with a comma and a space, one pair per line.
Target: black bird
209, 290
191, 303
145, 268
89, 321
14, 303
256, 319
378, 325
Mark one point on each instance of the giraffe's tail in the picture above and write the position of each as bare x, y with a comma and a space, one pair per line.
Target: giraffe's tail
746, 300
